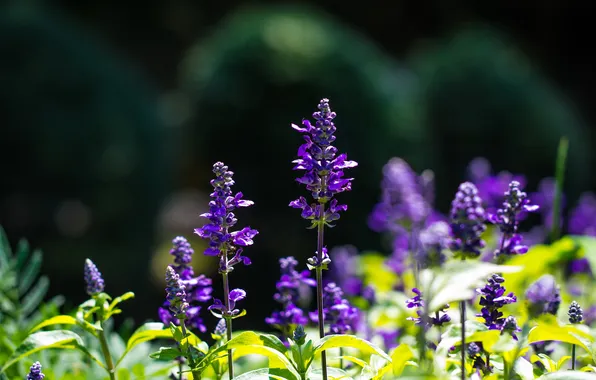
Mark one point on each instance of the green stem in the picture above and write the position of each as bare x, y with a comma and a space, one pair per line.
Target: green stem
106, 354
341, 360
463, 339
573, 357
226, 286
195, 374
180, 371
319, 272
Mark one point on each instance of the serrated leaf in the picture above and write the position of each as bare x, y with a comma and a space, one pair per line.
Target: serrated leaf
30, 272
5, 251
457, 281
44, 340
35, 296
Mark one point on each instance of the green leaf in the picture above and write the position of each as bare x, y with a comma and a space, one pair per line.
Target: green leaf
5, 251
338, 341
261, 373
546, 331
147, 332
400, 356
122, 298
22, 252
44, 340
332, 373
569, 375
57, 320
35, 296
166, 353
559, 179
457, 281
31, 271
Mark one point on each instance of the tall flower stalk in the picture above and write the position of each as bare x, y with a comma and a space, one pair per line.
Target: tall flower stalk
324, 179
576, 316
226, 244
467, 225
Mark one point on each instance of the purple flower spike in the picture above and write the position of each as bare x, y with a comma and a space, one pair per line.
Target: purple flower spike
290, 287
198, 289
223, 242
543, 296
493, 298
220, 310
93, 279
343, 318
324, 176
467, 222
176, 294
417, 302
35, 372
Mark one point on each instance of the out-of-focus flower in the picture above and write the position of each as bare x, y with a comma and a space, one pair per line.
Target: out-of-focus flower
343, 318
417, 302
543, 296
582, 220
467, 222
93, 279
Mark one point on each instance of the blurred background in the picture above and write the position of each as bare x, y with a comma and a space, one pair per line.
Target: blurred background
113, 113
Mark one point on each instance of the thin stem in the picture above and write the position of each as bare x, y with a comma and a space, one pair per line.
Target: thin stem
341, 360
180, 370
463, 339
226, 286
573, 357
106, 354
319, 272
488, 361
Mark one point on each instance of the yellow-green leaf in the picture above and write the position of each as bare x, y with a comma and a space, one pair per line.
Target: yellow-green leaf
568, 334
57, 320
338, 341
400, 356
147, 332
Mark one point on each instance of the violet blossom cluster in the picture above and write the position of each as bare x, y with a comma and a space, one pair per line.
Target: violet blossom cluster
221, 310
35, 372
343, 317
324, 176
544, 296
93, 279
222, 242
288, 294
345, 274
467, 222
198, 289
176, 294
492, 299
507, 218
417, 302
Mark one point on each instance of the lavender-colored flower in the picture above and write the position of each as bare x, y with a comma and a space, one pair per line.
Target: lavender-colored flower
490, 187
299, 335
220, 330
576, 314
220, 310
589, 315
467, 222
35, 372
507, 218
510, 325
93, 279
545, 197
198, 289
582, 220
417, 302
402, 201
474, 351
389, 338
288, 294
345, 274
324, 176
434, 240
175, 293
543, 296
223, 242
493, 298
342, 317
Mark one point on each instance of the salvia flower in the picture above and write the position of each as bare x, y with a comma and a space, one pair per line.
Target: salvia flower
582, 220
324, 176
492, 299
35, 372
299, 335
220, 330
467, 222
345, 273
543, 296
220, 310
222, 242
176, 294
93, 279
198, 289
434, 241
288, 294
417, 302
576, 314
474, 351
507, 218
402, 199
510, 326
343, 318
